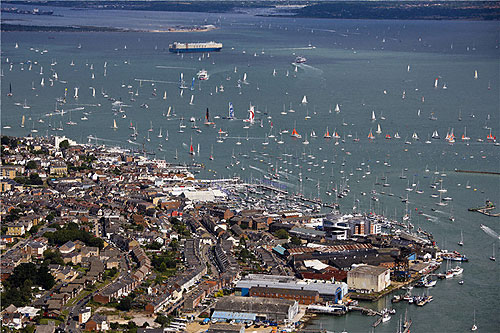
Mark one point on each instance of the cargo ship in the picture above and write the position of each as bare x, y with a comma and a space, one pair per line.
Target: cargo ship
178, 47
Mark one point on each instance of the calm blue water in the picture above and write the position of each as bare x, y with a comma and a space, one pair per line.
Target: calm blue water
360, 65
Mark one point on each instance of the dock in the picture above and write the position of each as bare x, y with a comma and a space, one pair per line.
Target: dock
366, 311
479, 172
375, 324
486, 209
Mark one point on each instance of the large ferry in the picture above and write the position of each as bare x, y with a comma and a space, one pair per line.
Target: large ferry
179, 47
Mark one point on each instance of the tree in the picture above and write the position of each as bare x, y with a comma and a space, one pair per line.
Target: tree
125, 304
44, 278
162, 320
295, 240
35, 179
31, 165
64, 144
282, 234
52, 257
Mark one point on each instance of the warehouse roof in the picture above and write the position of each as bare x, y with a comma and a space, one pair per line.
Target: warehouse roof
233, 315
371, 270
256, 305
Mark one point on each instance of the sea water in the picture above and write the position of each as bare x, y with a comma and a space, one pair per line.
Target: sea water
363, 66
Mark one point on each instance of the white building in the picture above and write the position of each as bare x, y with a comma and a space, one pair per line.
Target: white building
366, 278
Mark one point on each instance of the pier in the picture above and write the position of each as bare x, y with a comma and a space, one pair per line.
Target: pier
479, 172
486, 209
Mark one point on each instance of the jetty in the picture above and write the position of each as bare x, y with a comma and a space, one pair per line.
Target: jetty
486, 209
479, 172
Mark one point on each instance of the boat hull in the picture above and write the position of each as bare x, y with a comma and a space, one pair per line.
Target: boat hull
192, 50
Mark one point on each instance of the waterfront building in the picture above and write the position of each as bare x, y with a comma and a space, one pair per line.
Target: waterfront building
327, 291
366, 278
255, 308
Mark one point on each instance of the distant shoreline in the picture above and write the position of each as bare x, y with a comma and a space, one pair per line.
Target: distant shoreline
341, 9
6, 27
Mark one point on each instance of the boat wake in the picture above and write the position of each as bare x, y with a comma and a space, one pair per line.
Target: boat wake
295, 48
173, 67
310, 68
490, 231
431, 218
255, 168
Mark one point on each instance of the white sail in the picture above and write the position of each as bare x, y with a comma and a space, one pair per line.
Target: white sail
436, 83
379, 130
304, 100
373, 116
475, 75
42, 83
114, 125
337, 108
76, 93
191, 102
165, 95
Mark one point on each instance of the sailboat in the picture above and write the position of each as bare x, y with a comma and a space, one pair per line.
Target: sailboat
464, 136
182, 84
306, 142
231, 111
295, 134
207, 118
474, 326
414, 136
461, 243
370, 135
114, 125
491, 137
9, 94
304, 100
435, 135
211, 153
22, 122
379, 130
436, 83
251, 115
397, 136
327, 134
475, 75
492, 258
373, 116
337, 108
159, 134
76, 93
26, 106
191, 102
191, 149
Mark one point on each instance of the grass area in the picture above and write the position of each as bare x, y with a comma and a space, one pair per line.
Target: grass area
45, 321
